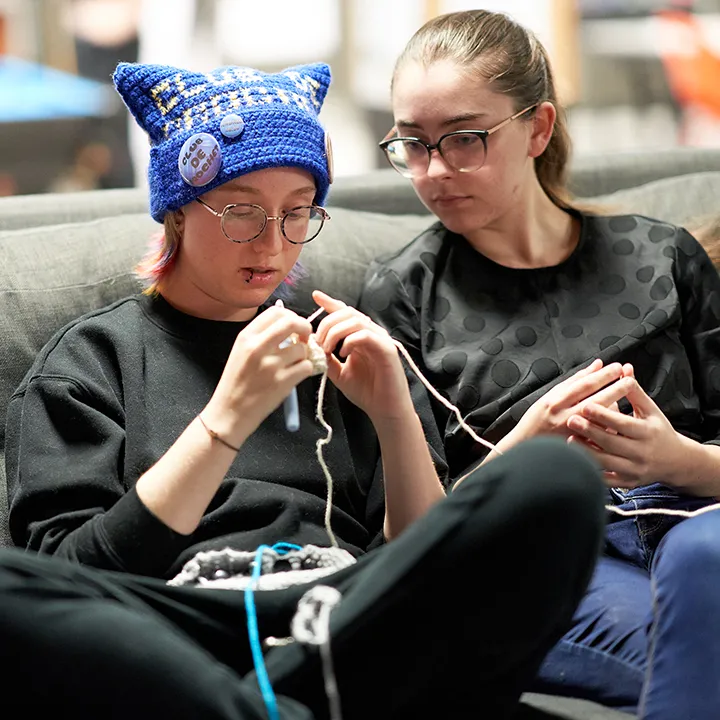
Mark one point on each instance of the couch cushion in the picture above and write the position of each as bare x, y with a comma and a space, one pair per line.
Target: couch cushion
49, 276
337, 259
381, 191
594, 175
683, 200
536, 706
25, 211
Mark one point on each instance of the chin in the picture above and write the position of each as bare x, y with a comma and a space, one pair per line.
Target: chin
460, 224
467, 221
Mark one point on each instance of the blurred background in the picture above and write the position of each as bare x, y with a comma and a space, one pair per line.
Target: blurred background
633, 74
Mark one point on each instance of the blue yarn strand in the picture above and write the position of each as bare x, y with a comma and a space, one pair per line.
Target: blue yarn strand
253, 632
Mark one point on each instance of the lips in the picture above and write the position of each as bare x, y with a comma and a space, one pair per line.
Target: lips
258, 275
449, 198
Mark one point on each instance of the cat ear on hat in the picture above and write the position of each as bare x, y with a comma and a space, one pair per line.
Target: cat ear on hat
133, 82
319, 76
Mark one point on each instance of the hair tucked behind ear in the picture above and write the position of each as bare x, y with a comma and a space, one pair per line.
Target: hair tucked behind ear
514, 62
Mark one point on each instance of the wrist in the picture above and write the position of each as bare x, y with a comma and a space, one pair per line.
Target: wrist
226, 425
515, 436
697, 468
390, 420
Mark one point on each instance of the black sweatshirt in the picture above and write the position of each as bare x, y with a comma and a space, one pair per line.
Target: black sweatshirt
112, 391
495, 339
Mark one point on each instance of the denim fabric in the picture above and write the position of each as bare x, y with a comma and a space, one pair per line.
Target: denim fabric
646, 637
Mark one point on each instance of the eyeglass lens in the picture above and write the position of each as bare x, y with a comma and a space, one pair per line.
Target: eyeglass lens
464, 151
246, 222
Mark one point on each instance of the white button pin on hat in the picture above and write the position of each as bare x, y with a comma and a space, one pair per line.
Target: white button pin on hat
232, 125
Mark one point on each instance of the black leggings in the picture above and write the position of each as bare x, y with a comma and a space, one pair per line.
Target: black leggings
450, 620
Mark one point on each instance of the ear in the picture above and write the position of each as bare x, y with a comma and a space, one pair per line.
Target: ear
543, 122
179, 221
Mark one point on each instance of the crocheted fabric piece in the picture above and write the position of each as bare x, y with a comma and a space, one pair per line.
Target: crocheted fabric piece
317, 356
231, 569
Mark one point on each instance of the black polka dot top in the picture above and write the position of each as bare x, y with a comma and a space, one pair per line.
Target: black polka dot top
494, 339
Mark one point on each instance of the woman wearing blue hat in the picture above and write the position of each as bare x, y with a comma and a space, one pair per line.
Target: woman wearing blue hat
149, 452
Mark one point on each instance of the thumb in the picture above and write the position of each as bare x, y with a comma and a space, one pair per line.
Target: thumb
334, 368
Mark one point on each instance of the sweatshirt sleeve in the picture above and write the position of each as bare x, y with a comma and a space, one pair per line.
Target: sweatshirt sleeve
64, 460
698, 287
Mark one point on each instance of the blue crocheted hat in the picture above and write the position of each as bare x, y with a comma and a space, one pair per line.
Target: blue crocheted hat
208, 128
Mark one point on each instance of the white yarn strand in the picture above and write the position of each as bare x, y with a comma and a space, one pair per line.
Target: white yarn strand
319, 452
441, 399
662, 511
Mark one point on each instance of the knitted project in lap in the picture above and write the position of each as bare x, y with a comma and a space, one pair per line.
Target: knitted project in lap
231, 569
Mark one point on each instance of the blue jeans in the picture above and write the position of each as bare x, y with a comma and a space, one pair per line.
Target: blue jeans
646, 637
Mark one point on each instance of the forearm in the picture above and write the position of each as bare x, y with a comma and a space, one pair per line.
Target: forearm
698, 468
183, 482
412, 486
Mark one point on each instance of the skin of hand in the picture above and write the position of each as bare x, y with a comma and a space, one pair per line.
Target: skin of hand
601, 385
632, 448
369, 372
259, 374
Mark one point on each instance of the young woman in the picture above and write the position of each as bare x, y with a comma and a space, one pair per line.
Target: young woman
148, 444
534, 317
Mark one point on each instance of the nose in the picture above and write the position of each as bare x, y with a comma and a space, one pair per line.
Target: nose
271, 240
438, 167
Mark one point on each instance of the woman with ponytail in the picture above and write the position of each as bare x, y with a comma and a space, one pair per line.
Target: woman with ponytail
537, 317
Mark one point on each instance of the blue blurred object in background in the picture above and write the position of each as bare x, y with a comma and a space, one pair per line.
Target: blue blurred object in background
29, 91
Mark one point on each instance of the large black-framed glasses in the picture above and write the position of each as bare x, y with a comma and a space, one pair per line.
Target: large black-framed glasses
462, 150
244, 222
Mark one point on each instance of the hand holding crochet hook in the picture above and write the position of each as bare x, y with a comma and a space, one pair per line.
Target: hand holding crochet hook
368, 369
267, 361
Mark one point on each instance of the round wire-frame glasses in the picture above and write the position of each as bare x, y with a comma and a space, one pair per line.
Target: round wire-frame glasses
244, 222
462, 150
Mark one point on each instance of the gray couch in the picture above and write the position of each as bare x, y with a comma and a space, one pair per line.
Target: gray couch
64, 255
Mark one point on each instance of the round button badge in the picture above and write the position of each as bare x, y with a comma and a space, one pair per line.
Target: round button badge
200, 159
232, 125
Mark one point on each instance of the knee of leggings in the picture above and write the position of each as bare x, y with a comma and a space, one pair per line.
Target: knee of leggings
556, 475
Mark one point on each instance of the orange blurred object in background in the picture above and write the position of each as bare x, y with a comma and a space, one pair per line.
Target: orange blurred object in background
693, 74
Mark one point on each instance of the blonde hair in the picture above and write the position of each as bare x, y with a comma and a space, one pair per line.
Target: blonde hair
707, 233
514, 63
160, 258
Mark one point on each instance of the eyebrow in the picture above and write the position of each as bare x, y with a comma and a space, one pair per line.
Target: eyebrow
463, 117
239, 187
